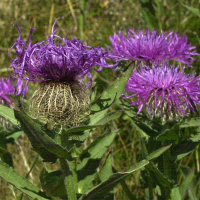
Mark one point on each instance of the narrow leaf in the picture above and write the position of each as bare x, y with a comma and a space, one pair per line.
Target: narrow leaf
114, 92
175, 194
90, 160
157, 152
79, 130
53, 183
21, 183
8, 113
184, 185
158, 177
182, 149
195, 121
105, 187
39, 138
195, 137
14, 135
106, 171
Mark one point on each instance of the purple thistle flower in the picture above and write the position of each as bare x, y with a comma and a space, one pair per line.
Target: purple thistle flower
50, 60
152, 47
163, 91
6, 89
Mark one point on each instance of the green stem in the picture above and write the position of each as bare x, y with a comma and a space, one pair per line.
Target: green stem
82, 19
66, 167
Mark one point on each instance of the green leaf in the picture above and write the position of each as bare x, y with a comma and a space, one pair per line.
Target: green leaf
90, 160
175, 194
184, 185
195, 137
108, 97
79, 130
41, 142
14, 135
195, 11
53, 183
106, 171
158, 177
182, 149
195, 121
145, 128
157, 152
21, 183
8, 113
105, 187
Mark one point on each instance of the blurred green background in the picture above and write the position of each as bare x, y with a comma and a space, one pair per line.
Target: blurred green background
93, 21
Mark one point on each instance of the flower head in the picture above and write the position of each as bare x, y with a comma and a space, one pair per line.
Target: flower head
163, 91
152, 47
55, 59
6, 89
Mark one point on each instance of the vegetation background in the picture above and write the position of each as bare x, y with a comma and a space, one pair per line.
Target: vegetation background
93, 21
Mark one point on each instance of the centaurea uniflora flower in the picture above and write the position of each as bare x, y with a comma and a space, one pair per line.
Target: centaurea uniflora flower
152, 47
163, 91
59, 65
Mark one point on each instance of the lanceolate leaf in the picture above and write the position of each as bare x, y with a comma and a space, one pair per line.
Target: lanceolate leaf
53, 183
90, 159
157, 152
21, 183
106, 171
175, 194
114, 92
79, 130
102, 189
191, 122
182, 149
184, 185
39, 138
196, 137
158, 176
8, 113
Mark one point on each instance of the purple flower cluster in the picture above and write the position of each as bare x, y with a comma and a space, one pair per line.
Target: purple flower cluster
163, 88
50, 60
152, 47
158, 88
6, 88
